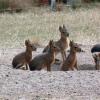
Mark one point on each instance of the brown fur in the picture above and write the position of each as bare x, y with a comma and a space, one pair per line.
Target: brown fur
25, 57
97, 61
44, 60
71, 61
62, 43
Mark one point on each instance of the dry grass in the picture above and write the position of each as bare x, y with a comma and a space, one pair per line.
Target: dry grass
41, 25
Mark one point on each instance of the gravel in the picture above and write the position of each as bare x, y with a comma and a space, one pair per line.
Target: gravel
55, 85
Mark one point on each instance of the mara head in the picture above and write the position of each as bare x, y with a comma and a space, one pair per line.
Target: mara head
63, 31
75, 47
52, 46
30, 45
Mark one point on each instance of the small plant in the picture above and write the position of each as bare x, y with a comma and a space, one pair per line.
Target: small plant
4, 4
36, 2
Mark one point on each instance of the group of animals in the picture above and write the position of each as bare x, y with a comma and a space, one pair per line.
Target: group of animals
47, 57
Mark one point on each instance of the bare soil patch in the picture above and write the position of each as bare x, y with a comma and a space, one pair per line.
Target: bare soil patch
54, 85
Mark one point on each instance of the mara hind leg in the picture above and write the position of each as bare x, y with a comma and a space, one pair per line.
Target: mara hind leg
96, 67
27, 67
72, 68
19, 66
49, 68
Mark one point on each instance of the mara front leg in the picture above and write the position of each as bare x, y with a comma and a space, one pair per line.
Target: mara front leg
63, 55
76, 65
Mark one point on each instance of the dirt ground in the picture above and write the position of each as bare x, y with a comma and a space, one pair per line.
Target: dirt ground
55, 85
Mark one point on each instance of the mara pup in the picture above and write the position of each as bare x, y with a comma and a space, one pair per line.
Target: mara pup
25, 57
45, 59
62, 43
71, 61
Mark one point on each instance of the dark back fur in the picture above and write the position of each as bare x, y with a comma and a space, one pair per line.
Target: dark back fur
44, 60
95, 48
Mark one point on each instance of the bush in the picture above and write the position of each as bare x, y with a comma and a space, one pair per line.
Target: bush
36, 2
4, 4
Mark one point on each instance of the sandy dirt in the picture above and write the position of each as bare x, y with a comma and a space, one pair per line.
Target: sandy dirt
42, 85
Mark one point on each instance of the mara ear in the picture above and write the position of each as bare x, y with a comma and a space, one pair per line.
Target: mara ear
71, 42
27, 42
64, 28
60, 29
50, 42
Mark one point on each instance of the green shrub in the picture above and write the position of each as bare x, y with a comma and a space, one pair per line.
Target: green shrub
35, 2
4, 4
